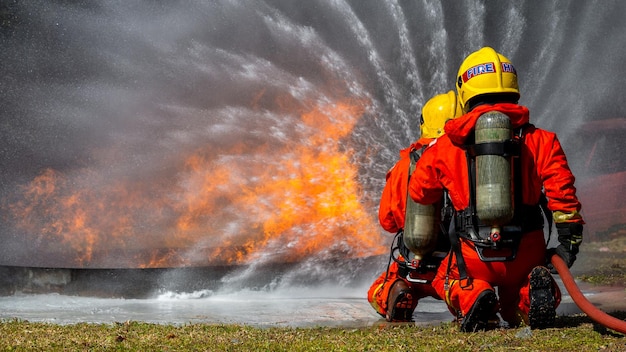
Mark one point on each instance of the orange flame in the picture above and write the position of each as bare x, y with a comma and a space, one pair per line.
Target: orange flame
247, 204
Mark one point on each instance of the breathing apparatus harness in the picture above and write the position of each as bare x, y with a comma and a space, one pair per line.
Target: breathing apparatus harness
401, 254
491, 246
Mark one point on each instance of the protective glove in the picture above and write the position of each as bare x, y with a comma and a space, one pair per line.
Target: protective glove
570, 238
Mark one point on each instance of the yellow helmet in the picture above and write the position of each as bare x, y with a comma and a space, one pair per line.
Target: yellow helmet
485, 72
436, 112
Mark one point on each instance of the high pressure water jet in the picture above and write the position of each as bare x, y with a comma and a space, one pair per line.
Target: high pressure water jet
156, 135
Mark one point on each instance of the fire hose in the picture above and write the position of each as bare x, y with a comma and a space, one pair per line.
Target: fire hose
581, 301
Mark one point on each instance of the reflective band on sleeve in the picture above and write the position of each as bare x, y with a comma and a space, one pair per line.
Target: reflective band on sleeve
560, 216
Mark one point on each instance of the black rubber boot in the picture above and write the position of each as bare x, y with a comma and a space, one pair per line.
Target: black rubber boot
542, 303
401, 303
478, 317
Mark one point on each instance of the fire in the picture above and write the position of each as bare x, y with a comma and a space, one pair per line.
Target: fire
246, 204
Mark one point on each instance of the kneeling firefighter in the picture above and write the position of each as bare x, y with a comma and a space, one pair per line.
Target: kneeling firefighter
417, 248
497, 168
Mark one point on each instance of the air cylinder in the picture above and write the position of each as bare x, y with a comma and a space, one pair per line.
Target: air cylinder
494, 203
421, 225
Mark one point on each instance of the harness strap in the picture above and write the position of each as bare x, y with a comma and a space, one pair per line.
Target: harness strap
414, 156
455, 249
455, 246
470, 211
392, 256
506, 148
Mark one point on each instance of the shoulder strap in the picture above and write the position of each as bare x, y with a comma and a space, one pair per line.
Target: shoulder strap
415, 155
470, 212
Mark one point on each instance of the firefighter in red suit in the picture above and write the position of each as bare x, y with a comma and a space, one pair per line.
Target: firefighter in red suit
487, 81
392, 295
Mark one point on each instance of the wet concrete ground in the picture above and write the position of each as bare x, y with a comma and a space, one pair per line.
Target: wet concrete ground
289, 307
216, 295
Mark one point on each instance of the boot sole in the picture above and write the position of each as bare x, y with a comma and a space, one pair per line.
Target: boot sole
542, 304
478, 317
402, 308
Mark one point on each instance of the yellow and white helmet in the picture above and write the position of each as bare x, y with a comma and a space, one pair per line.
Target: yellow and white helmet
485, 72
436, 112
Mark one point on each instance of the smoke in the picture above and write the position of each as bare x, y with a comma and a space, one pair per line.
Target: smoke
135, 106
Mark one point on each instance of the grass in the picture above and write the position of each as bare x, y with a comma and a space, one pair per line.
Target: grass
571, 333
602, 263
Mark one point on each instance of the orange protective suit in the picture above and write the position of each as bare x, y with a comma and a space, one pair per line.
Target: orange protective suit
544, 166
392, 207
391, 216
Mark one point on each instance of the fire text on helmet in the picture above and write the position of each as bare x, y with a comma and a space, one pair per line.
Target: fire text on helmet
477, 70
488, 67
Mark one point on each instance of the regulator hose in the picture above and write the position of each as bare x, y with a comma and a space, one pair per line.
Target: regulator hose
581, 301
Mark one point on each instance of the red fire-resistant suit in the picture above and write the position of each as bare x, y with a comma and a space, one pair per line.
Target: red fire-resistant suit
391, 215
543, 164
392, 207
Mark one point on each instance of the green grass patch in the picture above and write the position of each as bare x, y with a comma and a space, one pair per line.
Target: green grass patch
573, 333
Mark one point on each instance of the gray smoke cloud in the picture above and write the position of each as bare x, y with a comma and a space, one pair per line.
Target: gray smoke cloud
127, 90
